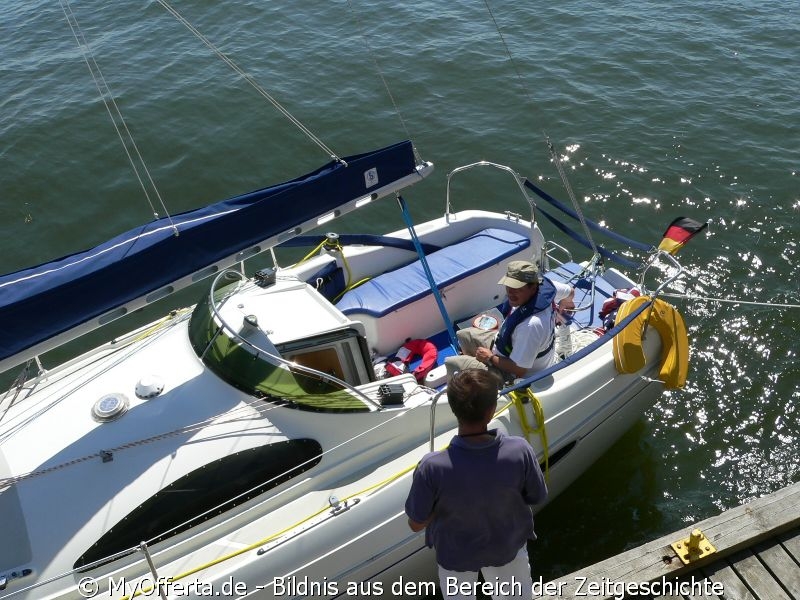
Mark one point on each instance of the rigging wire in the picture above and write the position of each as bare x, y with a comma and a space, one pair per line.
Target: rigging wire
128, 142
249, 79
557, 160
380, 74
520, 78
729, 300
551, 149
571, 194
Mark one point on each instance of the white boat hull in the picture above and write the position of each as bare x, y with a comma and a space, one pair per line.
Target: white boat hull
339, 526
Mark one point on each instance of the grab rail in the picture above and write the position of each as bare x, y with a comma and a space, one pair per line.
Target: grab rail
547, 250
433, 414
484, 163
661, 254
146, 551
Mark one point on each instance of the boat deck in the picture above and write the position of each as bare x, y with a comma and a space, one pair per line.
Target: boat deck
586, 318
757, 557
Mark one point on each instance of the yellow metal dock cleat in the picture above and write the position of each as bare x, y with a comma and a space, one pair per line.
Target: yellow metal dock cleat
694, 547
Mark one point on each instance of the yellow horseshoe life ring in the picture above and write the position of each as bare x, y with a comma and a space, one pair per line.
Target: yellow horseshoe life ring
629, 355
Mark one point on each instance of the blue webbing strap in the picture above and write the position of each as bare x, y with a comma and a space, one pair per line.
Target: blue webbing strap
582, 240
592, 225
451, 332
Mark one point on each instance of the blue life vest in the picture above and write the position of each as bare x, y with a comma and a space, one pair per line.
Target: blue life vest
542, 300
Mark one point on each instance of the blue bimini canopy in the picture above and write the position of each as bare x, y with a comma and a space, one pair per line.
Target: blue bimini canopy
86, 289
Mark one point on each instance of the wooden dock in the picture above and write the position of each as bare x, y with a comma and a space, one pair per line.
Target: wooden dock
757, 557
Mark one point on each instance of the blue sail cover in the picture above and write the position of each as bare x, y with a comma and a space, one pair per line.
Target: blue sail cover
44, 301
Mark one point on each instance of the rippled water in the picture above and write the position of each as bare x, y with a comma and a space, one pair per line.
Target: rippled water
658, 110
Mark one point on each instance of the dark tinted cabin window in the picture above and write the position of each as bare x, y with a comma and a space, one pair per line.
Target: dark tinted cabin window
249, 472
559, 454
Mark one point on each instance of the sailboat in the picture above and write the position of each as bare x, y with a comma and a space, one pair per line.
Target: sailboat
262, 441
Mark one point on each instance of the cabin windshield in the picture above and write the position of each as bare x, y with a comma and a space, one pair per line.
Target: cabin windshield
280, 343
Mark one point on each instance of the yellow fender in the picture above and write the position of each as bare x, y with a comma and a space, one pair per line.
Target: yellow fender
629, 355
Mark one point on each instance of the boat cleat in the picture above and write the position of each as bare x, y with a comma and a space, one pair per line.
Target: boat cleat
339, 506
693, 548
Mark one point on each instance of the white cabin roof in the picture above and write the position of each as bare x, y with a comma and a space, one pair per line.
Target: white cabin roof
286, 310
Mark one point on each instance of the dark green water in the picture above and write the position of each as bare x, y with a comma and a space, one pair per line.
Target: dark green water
659, 110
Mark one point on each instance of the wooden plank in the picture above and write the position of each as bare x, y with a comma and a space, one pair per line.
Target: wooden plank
791, 541
757, 577
686, 588
781, 565
698, 589
730, 531
733, 585
671, 596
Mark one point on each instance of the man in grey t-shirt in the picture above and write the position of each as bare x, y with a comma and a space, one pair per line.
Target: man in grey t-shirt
474, 498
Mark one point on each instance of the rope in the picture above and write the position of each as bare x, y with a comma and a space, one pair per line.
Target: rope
364, 491
117, 119
304, 520
312, 253
730, 301
337, 247
538, 412
249, 79
146, 590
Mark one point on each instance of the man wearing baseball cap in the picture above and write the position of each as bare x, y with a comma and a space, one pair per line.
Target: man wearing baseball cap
525, 342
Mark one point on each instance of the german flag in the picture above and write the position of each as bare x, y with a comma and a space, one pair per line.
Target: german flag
679, 232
